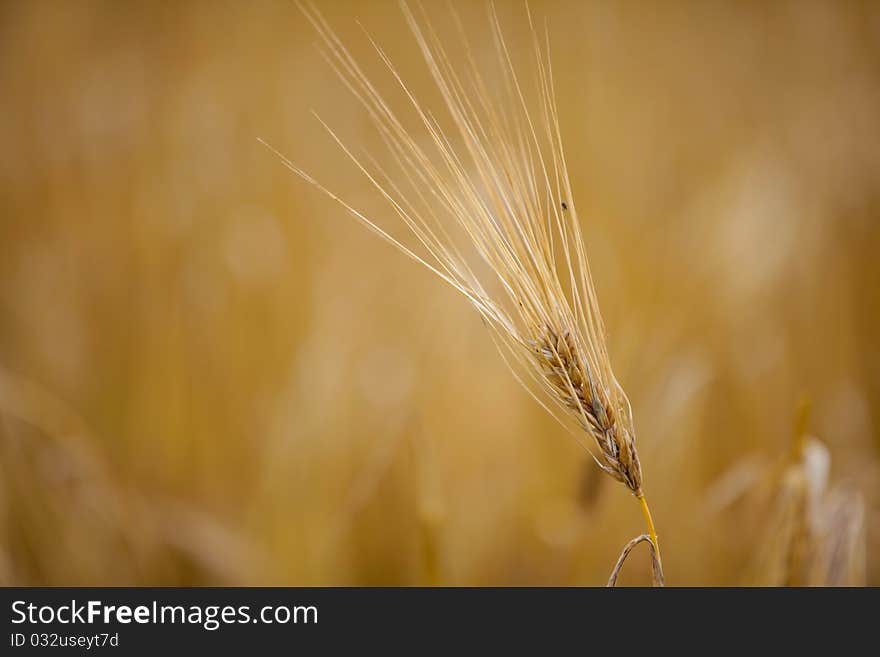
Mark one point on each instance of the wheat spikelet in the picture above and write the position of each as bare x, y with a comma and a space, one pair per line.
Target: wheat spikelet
493, 194
572, 383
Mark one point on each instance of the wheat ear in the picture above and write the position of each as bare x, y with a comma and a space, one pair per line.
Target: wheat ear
494, 190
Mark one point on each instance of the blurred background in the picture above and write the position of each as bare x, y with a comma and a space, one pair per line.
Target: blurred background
210, 375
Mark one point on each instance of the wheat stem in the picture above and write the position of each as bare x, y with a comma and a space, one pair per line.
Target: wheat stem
656, 569
646, 511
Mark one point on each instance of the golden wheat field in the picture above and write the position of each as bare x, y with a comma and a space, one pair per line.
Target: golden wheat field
211, 374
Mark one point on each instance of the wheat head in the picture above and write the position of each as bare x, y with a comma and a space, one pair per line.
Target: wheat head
492, 194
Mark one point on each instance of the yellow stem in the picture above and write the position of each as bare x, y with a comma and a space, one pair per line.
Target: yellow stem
651, 531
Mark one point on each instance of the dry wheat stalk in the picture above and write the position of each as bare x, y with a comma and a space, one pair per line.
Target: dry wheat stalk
493, 193
655, 561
